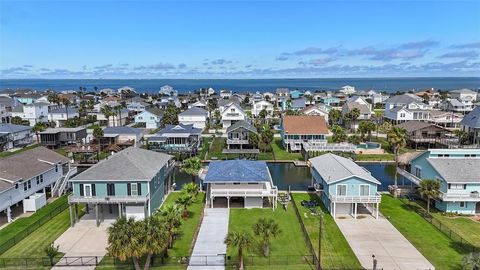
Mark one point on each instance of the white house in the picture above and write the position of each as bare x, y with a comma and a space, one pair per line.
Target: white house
123, 135
14, 136
151, 117
232, 114
262, 105
26, 176
168, 90
406, 107
194, 116
316, 110
118, 120
61, 115
226, 94
200, 104
456, 105
348, 90
464, 95
33, 112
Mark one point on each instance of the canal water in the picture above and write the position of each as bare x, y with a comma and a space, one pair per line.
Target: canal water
287, 175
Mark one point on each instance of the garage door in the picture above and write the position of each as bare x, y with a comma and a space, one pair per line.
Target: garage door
343, 208
137, 212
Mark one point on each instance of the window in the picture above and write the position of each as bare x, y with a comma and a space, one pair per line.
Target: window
16, 185
111, 189
463, 204
443, 155
87, 190
418, 172
134, 189
457, 186
29, 182
25, 187
470, 155
38, 180
364, 190
56, 167
341, 190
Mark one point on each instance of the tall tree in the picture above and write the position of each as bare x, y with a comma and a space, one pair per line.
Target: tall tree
266, 137
185, 200
243, 241
353, 116
98, 135
339, 134
366, 127
266, 229
253, 140
118, 111
263, 115
172, 216
153, 238
170, 117
123, 240
396, 137
429, 188
334, 116
66, 102
37, 128
107, 112
192, 166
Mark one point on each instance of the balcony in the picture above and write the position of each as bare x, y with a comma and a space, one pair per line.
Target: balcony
356, 199
236, 141
464, 197
244, 192
108, 199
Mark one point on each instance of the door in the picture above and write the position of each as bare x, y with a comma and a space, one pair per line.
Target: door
364, 190
87, 189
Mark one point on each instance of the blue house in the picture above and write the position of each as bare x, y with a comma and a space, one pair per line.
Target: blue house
344, 186
296, 94
151, 118
331, 101
134, 180
458, 171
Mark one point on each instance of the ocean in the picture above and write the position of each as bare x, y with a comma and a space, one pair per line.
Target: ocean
242, 85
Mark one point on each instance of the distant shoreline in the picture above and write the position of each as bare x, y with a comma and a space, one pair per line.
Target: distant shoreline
389, 84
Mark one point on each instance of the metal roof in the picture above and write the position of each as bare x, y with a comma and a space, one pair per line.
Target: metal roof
243, 171
472, 119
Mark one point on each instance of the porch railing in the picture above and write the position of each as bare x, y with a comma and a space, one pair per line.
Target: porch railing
356, 199
108, 199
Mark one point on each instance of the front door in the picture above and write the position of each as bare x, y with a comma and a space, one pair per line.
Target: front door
477, 209
87, 190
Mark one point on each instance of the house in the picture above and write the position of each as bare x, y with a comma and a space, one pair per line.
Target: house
331, 101
131, 183
137, 106
260, 106
12, 136
32, 112
176, 139
406, 107
457, 170
120, 119
283, 94
6, 106
61, 115
56, 137
296, 94
238, 134
344, 186
423, 133
150, 118
297, 104
194, 116
27, 98
471, 123
365, 112
464, 95
456, 105
122, 136
347, 90
239, 183
445, 119
317, 109
167, 90
200, 104
232, 114
25, 177
300, 129
225, 94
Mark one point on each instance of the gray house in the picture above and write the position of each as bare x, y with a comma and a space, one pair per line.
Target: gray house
471, 123
176, 139
55, 137
238, 134
14, 136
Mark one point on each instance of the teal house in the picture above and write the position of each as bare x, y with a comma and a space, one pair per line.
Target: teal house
457, 170
296, 94
346, 189
131, 183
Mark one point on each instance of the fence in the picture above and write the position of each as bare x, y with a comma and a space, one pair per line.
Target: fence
31, 228
284, 260
307, 239
460, 241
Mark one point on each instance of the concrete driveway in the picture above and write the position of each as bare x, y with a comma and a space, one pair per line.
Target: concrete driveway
84, 239
368, 236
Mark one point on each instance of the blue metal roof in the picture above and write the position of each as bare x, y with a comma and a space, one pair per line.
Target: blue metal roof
244, 171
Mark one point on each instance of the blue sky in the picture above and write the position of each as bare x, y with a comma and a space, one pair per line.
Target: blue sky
238, 39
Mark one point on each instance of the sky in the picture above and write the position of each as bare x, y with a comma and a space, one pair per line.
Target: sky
238, 39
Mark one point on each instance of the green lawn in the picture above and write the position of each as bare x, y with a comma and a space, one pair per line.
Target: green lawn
205, 145
16, 227
7, 153
336, 252
287, 250
442, 252
281, 153
216, 148
375, 157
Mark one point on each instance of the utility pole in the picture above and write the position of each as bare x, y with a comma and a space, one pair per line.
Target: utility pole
320, 229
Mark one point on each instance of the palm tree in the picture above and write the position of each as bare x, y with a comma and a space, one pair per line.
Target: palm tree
172, 216
185, 200
53, 98
242, 241
429, 188
191, 166
396, 138
123, 241
107, 112
333, 116
39, 127
98, 135
472, 261
366, 127
190, 188
353, 116
51, 251
66, 102
266, 229
154, 238
118, 112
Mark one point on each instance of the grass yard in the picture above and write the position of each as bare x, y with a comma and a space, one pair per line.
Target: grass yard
336, 252
7, 153
375, 157
286, 251
16, 227
281, 154
205, 145
442, 252
216, 148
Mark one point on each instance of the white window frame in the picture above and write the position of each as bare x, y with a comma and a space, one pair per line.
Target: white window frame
132, 187
360, 190
85, 191
346, 190
464, 204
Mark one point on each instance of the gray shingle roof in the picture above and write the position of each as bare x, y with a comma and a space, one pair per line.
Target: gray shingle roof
456, 103
28, 164
194, 111
243, 124
472, 119
333, 168
64, 110
463, 91
411, 126
122, 130
404, 99
457, 170
11, 128
131, 164
361, 107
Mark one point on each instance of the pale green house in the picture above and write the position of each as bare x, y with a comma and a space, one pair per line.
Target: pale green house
131, 183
